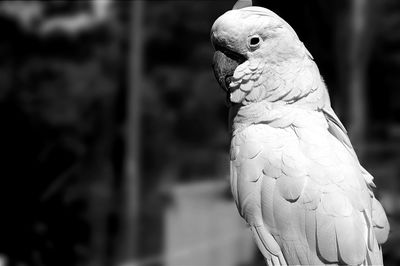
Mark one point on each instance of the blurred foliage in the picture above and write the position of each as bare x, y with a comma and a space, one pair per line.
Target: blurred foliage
57, 110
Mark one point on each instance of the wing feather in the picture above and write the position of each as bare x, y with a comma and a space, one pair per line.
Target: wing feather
290, 188
267, 202
350, 238
380, 222
326, 238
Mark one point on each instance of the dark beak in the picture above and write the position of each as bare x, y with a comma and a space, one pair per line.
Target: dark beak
223, 65
224, 68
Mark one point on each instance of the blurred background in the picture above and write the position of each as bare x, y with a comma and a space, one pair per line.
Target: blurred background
114, 139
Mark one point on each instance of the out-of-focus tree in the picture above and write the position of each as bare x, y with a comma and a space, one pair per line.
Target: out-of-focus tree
57, 111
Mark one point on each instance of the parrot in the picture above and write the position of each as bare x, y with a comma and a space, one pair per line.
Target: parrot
294, 174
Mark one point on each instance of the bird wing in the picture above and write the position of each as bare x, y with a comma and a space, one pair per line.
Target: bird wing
378, 214
247, 165
302, 186
336, 128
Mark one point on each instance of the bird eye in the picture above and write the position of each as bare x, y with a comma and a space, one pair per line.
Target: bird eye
254, 42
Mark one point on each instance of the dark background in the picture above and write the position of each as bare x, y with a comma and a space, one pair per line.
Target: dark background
104, 111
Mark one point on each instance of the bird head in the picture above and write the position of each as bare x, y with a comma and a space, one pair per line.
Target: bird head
254, 48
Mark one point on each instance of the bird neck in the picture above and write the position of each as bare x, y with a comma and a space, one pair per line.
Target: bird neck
276, 114
242, 116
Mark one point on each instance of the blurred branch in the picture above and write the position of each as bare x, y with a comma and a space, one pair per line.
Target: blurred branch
354, 36
60, 181
357, 69
131, 183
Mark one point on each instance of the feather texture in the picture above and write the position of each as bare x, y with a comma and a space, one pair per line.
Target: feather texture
317, 207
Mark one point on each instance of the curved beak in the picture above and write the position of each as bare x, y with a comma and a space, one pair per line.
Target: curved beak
224, 68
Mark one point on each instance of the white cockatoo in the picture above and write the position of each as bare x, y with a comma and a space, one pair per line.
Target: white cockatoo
295, 176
